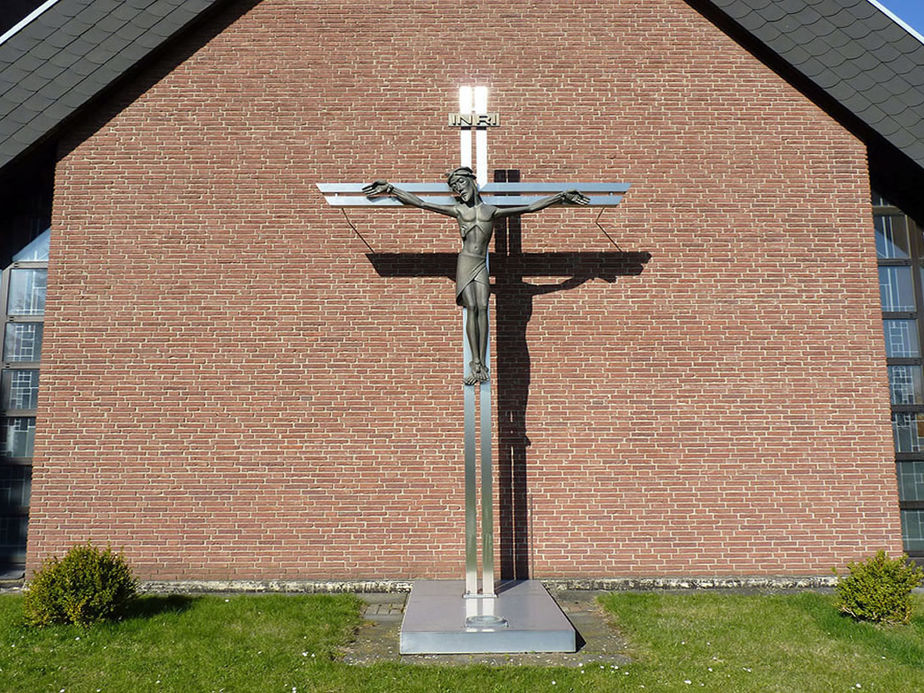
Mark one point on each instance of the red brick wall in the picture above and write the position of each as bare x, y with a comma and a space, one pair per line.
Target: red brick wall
230, 389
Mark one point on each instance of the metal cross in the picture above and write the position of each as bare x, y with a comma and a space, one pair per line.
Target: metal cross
473, 118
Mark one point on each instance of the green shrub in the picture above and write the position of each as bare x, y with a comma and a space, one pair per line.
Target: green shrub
879, 589
86, 586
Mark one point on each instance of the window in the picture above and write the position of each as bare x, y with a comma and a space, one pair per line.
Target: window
25, 217
22, 310
900, 253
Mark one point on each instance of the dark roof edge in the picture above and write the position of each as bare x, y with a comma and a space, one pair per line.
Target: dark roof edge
892, 184
146, 72
762, 52
127, 83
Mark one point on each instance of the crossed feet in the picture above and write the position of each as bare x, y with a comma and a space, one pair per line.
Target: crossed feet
479, 374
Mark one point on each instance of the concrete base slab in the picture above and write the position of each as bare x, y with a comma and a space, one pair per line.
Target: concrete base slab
436, 611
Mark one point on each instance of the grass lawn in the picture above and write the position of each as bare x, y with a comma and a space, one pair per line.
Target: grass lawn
679, 642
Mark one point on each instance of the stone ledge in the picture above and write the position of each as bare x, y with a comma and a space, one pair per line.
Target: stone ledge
781, 582
553, 584
282, 586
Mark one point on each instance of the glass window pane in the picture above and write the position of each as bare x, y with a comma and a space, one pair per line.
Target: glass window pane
901, 339
910, 481
906, 384
913, 530
15, 490
15, 487
17, 436
891, 238
19, 389
28, 288
895, 290
37, 250
908, 431
23, 341
13, 538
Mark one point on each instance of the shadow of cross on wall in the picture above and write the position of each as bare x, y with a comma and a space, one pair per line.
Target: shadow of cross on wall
513, 297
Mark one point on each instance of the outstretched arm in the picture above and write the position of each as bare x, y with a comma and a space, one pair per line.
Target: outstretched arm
571, 197
382, 187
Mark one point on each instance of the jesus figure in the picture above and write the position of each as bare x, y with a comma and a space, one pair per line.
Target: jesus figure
476, 224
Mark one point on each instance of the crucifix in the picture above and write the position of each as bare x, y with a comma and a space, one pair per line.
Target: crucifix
476, 205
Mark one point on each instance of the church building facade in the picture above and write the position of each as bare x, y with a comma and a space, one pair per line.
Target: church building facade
208, 367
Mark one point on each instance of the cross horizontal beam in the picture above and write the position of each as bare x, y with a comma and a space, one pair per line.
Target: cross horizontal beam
497, 194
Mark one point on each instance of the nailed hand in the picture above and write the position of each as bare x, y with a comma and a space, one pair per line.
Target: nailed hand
573, 197
379, 187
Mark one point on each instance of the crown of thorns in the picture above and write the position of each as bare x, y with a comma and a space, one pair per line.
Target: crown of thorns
461, 172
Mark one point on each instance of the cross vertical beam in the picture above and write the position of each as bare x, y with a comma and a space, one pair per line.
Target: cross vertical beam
473, 102
487, 459
467, 107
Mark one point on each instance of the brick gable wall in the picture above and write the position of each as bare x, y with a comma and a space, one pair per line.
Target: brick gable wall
231, 390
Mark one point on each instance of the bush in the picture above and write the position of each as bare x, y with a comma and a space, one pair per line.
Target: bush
879, 589
86, 586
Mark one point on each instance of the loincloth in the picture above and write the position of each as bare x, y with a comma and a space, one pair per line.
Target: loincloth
470, 268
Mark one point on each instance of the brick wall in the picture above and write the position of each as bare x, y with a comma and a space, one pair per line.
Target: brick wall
231, 389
